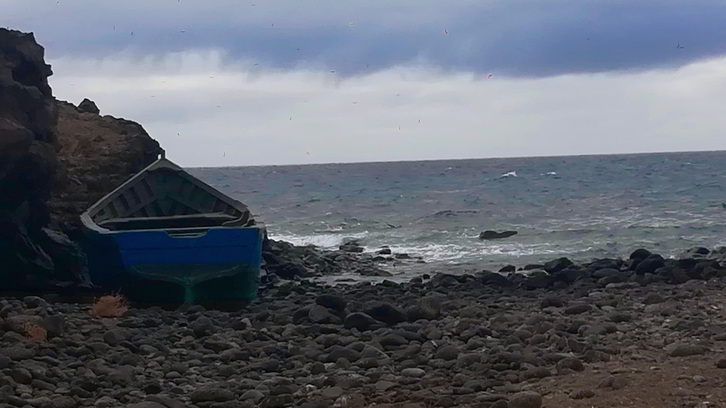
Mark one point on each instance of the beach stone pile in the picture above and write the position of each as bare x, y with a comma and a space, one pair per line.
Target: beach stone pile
446, 341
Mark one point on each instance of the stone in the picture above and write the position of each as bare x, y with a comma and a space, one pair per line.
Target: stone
685, 350
116, 336
321, 314
578, 308
570, 363
211, 395
494, 279
525, 399
359, 321
720, 363
253, 395
640, 254
146, 404
557, 265
427, 308
385, 312
490, 235
333, 302
332, 392
649, 264
448, 352
203, 326
337, 352
413, 372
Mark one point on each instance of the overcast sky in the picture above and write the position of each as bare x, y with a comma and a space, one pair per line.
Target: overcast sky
223, 83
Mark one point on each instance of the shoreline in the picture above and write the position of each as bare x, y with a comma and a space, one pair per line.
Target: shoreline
603, 337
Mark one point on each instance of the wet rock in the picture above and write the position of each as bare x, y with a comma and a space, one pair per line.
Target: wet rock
640, 254
495, 279
557, 265
490, 235
650, 264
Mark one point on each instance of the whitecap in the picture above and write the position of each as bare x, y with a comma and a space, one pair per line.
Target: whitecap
507, 175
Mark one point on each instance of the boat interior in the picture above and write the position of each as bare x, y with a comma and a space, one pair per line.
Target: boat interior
166, 197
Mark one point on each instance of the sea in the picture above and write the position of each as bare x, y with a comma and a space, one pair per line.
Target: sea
581, 207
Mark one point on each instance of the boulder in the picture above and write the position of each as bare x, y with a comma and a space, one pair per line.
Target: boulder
490, 235
557, 265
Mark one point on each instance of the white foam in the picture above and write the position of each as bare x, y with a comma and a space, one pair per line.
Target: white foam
507, 175
327, 241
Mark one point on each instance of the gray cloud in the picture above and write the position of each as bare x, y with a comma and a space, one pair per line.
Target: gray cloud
513, 38
210, 114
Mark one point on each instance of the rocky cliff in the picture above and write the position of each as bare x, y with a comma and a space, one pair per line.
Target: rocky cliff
96, 153
28, 163
55, 160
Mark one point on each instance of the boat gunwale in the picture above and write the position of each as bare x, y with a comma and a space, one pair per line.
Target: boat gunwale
161, 163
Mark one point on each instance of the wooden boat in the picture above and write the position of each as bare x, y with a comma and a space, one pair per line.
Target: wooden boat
165, 236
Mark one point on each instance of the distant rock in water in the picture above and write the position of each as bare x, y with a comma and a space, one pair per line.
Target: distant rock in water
489, 234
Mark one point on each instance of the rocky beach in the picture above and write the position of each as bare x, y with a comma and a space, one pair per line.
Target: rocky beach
642, 330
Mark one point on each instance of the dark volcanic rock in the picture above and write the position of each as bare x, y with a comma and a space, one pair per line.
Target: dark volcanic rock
28, 162
385, 312
489, 234
557, 265
640, 254
494, 279
360, 321
332, 302
649, 264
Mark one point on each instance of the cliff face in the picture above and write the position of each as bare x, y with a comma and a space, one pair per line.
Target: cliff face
97, 154
55, 161
28, 119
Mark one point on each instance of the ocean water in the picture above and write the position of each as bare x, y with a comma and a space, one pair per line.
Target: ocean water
582, 207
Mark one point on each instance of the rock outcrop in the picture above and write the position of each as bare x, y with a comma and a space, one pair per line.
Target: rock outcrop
97, 154
28, 164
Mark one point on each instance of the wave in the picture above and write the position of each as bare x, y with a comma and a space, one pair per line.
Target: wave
325, 241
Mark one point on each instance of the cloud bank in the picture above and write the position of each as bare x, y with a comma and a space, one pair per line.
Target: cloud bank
207, 111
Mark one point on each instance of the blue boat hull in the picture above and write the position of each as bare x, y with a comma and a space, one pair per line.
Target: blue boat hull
215, 265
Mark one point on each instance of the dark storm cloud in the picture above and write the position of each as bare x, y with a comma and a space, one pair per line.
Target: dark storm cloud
516, 38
